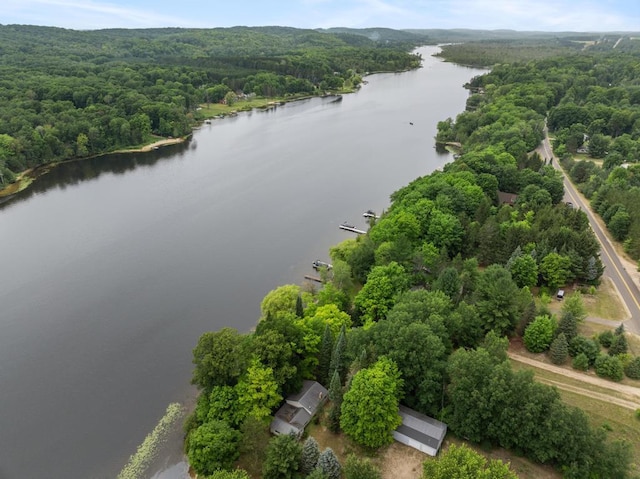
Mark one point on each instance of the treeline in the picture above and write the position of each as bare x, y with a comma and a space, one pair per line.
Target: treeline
417, 310
68, 94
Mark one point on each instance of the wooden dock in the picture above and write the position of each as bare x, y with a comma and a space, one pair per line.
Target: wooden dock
353, 229
313, 278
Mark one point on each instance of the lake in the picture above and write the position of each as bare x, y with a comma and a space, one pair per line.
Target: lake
114, 266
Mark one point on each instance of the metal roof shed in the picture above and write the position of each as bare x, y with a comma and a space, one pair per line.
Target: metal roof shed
420, 432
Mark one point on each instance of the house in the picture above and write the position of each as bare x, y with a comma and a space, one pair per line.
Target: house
420, 432
507, 198
299, 409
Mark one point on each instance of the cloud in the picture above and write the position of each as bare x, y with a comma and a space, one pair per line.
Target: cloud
81, 14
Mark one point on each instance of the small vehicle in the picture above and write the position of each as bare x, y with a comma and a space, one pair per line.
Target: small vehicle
317, 264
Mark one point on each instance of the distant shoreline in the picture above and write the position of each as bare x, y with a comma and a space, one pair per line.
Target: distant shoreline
25, 178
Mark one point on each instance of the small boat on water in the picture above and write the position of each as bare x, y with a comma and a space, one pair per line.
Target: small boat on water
347, 225
317, 264
369, 214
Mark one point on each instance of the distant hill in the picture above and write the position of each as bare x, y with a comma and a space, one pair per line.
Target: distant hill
384, 36
471, 35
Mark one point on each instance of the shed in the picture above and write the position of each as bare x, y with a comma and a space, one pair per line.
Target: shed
298, 409
420, 432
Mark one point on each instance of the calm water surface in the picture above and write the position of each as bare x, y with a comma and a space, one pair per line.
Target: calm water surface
113, 267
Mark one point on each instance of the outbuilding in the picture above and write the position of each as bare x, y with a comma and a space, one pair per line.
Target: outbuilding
420, 432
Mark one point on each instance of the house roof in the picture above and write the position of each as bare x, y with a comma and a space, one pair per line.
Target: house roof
298, 409
507, 198
422, 428
310, 397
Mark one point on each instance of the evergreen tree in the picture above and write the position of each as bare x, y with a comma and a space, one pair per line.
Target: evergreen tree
559, 350
310, 455
337, 358
568, 325
329, 464
632, 369
335, 395
299, 307
618, 345
324, 358
619, 330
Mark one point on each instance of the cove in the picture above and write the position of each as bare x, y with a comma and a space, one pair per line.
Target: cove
114, 266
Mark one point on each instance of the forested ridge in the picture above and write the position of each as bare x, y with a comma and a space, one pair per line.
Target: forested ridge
419, 309
69, 94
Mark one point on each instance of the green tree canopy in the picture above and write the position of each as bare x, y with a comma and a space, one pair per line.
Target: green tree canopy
213, 446
370, 406
462, 462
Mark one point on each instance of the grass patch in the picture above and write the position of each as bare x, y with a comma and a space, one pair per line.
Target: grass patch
605, 303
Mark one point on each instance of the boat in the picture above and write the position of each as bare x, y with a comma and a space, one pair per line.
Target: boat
347, 225
317, 264
369, 214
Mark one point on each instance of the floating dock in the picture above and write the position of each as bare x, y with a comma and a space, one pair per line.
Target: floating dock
351, 228
313, 278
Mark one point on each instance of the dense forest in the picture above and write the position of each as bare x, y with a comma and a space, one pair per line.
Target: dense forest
69, 94
593, 104
418, 310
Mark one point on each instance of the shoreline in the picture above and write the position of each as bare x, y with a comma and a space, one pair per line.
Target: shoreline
28, 176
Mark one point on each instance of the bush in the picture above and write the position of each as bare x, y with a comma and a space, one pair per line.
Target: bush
581, 362
539, 334
605, 338
609, 367
356, 468
632, 370
587, 346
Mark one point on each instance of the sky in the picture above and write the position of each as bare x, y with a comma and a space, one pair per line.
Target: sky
545, 15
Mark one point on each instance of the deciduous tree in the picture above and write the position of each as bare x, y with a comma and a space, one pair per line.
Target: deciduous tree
370, 406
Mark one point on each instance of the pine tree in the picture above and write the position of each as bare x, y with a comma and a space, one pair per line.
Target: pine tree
324, 358
619, 330
618, 345
337, 357
329, 464
559, 350
299, 307
568, 325
335, 395
310, 455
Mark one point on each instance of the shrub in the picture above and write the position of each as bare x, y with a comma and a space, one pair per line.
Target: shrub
632, 369
605, 338
539, 334
356, 468
581, 362
587, 346
609, 367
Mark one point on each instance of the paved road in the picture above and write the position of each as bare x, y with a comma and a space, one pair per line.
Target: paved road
614, 268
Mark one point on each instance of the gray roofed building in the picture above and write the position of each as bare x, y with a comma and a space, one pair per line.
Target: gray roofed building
420, 432
298, 409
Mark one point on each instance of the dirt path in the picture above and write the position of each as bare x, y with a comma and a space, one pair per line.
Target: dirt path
586, 392
631, 393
